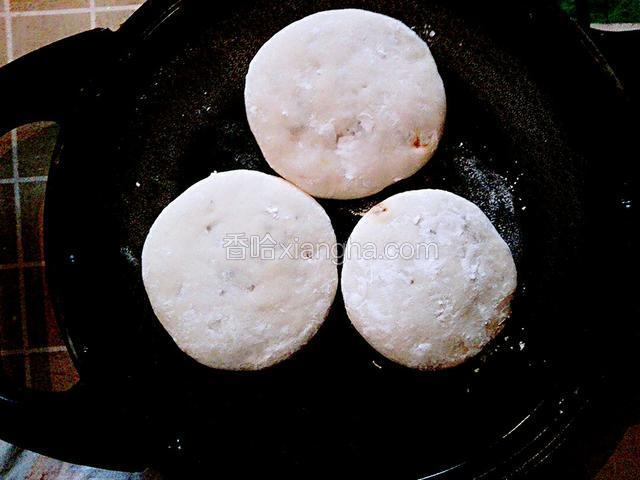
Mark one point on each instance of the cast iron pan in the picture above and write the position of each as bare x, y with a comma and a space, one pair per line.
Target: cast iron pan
535, 136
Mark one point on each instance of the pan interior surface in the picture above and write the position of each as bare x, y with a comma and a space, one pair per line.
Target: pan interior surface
172, 111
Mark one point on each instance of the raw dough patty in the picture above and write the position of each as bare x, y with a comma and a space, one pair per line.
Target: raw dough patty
345, 102
232, 313
440, 303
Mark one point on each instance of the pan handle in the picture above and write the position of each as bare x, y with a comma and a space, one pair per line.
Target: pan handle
83, 425
620, 50
45, 84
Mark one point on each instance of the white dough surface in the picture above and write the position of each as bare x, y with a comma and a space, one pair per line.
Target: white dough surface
345, 102
437, 305
232, 313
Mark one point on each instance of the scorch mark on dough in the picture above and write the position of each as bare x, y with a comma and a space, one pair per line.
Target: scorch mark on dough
417, 143
381, 208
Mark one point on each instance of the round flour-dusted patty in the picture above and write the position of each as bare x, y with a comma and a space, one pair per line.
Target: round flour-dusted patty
236, 271
441, 290
345, 102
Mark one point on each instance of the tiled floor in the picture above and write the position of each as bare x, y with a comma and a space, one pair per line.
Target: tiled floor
32, 352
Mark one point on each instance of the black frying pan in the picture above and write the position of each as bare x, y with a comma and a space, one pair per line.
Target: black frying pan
536, 135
